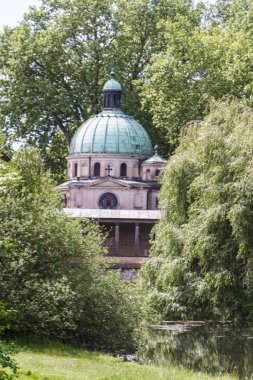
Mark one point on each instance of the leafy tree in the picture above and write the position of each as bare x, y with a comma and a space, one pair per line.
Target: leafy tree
53, 60
51, 69
53, 66
206, 56
52, 268
201, 265
140, 35
183, 77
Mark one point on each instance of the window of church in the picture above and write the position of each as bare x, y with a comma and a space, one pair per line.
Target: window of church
123, 170
157, 172
108, 101
148, 175
75, 169
115, 101
97, 169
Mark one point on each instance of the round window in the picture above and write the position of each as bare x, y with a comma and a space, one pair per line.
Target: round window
108, 200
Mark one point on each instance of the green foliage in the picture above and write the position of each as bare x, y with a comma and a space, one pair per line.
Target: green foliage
206, 55
172, 87
5, 147
117, 309
8, 366
54, 156
51, 265
201, 264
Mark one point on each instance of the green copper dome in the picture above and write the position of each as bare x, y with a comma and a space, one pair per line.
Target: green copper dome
112, 84
112, 132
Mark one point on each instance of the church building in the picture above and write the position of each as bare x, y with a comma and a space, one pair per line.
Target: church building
112, 176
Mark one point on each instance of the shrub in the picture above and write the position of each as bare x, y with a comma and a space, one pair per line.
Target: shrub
52, 271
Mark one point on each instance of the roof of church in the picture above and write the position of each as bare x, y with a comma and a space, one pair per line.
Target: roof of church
156, 159
111, 131
90, 182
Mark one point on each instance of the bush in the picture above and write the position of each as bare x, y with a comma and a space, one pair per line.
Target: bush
8, 367
111, 314
52, 265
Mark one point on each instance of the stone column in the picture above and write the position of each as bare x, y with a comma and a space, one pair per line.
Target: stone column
116, 250
137, 239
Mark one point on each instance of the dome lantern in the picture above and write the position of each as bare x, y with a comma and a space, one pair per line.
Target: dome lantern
112, 93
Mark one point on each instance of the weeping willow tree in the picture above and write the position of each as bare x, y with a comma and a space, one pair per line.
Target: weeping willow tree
201, 264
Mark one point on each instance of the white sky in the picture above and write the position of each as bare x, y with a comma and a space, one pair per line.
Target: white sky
11, 11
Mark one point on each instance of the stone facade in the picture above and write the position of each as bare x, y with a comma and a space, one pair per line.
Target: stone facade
131, 179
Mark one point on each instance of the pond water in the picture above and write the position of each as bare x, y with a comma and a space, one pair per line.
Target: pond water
210, 347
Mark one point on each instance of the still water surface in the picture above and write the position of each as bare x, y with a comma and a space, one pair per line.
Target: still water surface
209, 347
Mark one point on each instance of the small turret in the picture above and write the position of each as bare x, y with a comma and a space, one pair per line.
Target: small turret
112, 93
152, 166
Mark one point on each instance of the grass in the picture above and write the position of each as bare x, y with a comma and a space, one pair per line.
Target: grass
54, 361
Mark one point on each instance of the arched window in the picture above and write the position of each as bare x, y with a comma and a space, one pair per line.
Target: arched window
123, 170
97, 169
75, 169
157, 172
148, 175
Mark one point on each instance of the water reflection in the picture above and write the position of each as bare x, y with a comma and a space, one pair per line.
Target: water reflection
209, 347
